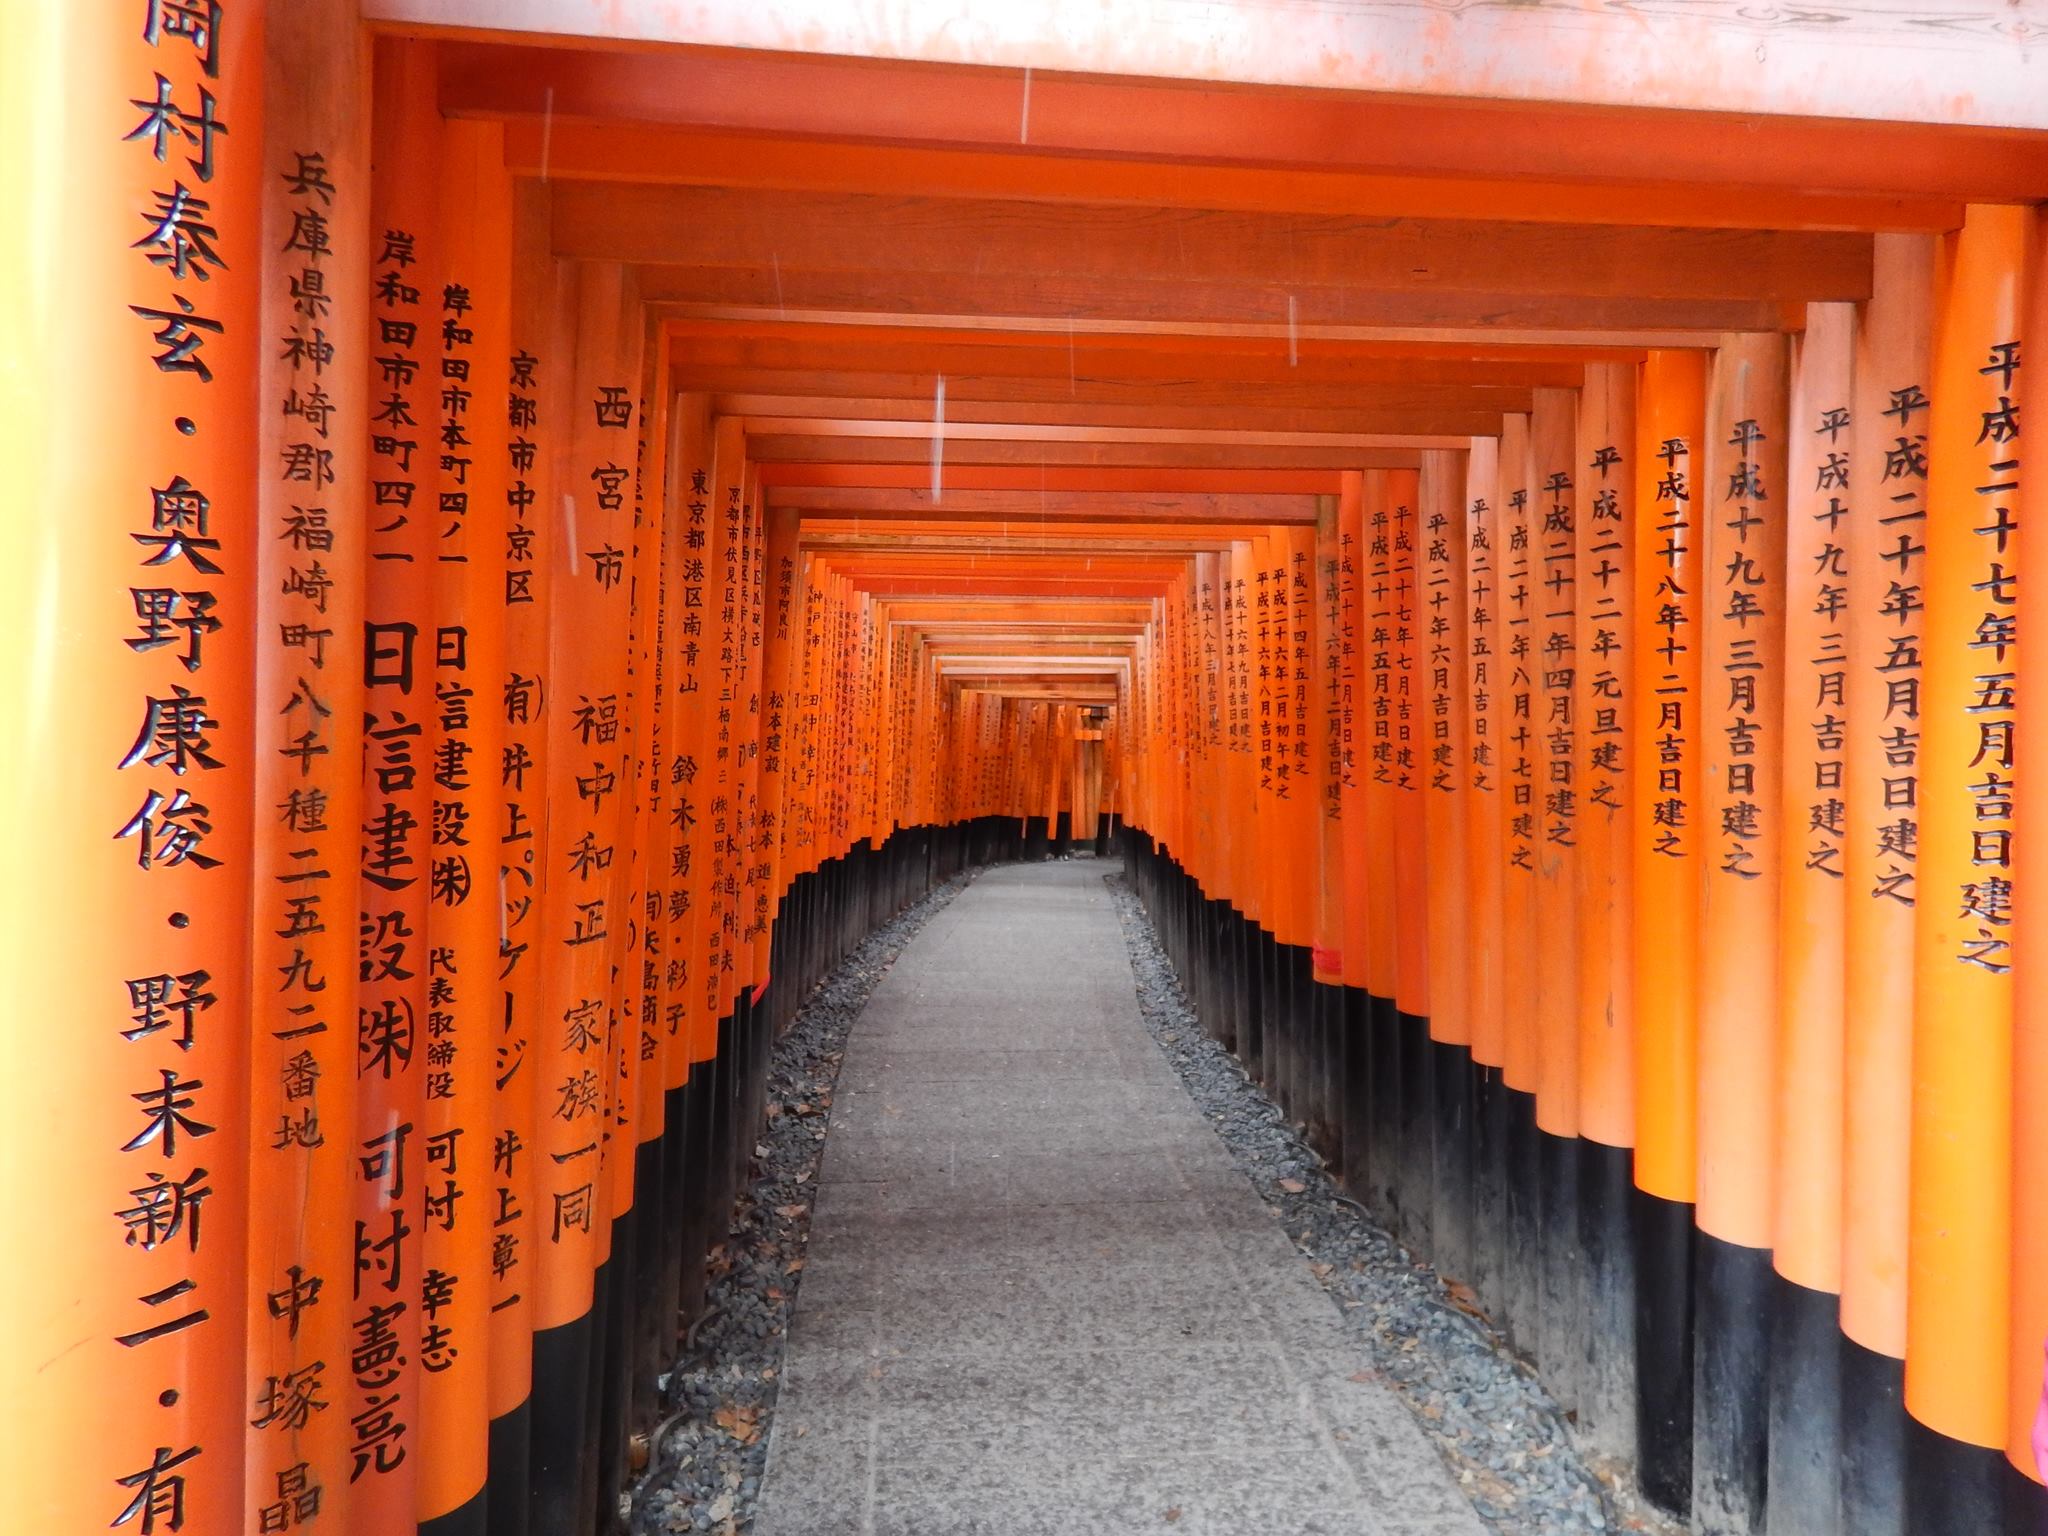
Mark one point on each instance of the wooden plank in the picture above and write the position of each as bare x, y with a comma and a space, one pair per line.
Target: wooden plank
1532, 71
798, 348
786, 457
1144, 298
1083, 391
648, 152
794, 232
899, 413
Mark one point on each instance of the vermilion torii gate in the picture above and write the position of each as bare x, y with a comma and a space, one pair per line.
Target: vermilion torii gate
540, 523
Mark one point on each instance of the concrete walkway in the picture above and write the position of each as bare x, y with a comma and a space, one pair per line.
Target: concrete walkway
1038, 1298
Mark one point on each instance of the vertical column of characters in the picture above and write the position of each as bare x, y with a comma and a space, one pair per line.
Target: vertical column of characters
1330, 699
570, 1052
688, 863
308, 763
1304, 743
1381, 669
1518, 745
806, 724
782, 670
618, 409
1354, 721
1410, 762
1605, 686
1482, 768
751, 913
1241, 766
1273, 914
1212, 794
132, 332
1443, 648
711, 640
1807, 1227
728, 674
469, 355
2029, 1329
399, 655
1665, 821
1886, 550
1553, 528
652, 562
1959, 1288
525, 699
729, 516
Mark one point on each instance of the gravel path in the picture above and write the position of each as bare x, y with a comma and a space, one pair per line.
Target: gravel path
1498, 1429
706, 1471
1501, 1434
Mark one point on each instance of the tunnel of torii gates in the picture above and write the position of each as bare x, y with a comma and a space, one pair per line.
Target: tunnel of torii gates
534, 528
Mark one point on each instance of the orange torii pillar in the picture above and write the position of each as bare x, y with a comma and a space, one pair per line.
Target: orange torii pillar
310, 563
1442, 683
1520, 576
132, 330
1886, 553
1668, 842
1486, 812
1960, 1354
1327, 1104
1607, 747
1354, 765
1743, 677
1554, 512
1805, 1413
403, 526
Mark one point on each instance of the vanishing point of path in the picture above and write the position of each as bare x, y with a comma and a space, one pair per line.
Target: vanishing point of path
1038, 1298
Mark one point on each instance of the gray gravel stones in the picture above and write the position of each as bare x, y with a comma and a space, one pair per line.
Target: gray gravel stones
1505, 1439
704, 1473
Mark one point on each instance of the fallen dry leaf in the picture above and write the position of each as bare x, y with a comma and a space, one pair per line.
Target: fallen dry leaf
791, 1212
1363, 1376
1171, 1515
793, 1266
1320, 1271
1293, 1186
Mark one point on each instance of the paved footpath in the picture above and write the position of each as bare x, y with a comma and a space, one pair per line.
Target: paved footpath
1038, 1298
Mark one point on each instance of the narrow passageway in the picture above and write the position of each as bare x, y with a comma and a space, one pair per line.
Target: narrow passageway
1038, 1296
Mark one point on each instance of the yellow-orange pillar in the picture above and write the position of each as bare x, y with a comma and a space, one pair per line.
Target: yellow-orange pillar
130, 326
312, 466
1668, 839
1959, 1288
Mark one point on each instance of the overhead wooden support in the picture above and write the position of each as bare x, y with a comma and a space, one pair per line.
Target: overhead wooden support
648, 152
1171, 360
1717, 57
782, 454
1025, 506
1399, 418
789, 233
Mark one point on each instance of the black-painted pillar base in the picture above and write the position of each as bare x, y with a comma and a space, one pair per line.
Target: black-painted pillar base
1873, 1423
1731, 1386
1522, 1258
1957, 1489
1561, 1318
1664, 1236
1607, 1396
1805, 1428
1487, 1273
1450, 1222
1357, 1092
508, 1483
